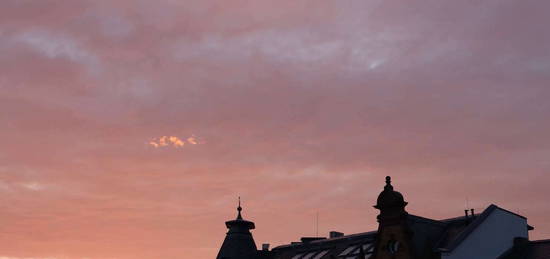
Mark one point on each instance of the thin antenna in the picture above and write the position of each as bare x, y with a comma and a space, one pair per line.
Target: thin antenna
465, 183
317, 224
239, 209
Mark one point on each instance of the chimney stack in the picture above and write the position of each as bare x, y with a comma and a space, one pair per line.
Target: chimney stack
466, 214
334, 234
472, 212
265, 247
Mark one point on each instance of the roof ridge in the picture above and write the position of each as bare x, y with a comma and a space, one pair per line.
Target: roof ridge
511, 212
470, 228
328, 240
427, 219
539, 241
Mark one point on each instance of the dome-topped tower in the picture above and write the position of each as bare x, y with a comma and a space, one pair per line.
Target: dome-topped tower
238, 243
389, 198
393, 239
391, 205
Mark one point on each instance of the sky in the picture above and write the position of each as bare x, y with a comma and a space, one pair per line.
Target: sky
129, 128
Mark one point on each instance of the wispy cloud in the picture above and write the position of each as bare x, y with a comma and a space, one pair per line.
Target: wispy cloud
33, 186
317, 100
58, 45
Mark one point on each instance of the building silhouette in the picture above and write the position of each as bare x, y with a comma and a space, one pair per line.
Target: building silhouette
493, 233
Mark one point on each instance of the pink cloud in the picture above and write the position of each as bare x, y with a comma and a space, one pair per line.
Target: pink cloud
304, 106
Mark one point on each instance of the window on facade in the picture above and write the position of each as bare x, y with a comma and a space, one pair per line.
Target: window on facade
368, 248
348, 250
321, 254
309, 255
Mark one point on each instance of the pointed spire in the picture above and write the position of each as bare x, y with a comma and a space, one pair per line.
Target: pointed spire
238, 242
239, 209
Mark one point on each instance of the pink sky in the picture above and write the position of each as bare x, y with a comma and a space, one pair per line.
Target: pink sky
298, 106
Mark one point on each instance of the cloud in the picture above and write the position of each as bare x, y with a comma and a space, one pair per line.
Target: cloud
33, 186
176, 141
292, 47
305, 106
192, 140
172, 141
58, 45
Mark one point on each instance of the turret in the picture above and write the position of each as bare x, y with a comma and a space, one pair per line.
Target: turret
238, 243
394, 237
391, 205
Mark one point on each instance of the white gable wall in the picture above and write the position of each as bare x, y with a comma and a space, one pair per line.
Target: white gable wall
491, 238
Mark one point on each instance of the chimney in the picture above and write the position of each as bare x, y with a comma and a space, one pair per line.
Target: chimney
335, 234
265, 247
466, 214
472, 212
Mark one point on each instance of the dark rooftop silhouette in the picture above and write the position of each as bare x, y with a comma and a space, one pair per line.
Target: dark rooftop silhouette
492, 233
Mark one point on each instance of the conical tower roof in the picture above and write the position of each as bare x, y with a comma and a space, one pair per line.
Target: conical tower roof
238, 243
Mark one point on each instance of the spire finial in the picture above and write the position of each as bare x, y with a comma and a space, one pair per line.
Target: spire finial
239, 209
388, 184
